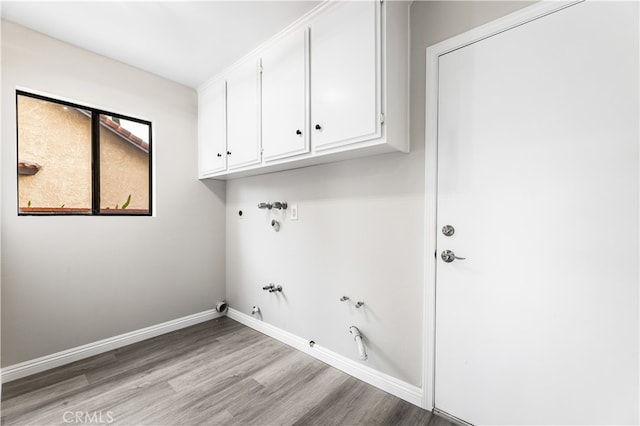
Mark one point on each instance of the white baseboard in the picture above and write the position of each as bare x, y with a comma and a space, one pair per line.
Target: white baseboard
68, 356
403, 390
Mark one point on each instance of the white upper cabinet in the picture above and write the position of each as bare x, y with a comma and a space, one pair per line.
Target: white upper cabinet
332, 86
212, 129
285, 121
345, 75
243, 115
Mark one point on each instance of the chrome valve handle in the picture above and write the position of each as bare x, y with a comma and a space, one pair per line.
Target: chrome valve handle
280, 205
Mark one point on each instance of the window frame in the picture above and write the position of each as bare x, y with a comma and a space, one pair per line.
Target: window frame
95, 160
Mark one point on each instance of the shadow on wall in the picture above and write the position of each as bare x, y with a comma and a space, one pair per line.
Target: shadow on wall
378, 176
217, 187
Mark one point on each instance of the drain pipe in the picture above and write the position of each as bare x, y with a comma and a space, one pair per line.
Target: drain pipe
358, 338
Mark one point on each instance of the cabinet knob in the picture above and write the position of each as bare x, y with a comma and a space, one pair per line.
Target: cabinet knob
228, 152
219, 155
298, 132
318, 127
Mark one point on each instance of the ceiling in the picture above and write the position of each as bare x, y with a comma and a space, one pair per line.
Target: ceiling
184, 41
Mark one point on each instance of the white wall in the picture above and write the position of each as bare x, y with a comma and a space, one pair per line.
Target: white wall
68, 281
360, 231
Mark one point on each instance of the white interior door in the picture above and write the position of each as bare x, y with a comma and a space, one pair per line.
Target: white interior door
538, 174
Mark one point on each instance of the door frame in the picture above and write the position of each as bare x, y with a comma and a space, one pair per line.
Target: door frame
434, 52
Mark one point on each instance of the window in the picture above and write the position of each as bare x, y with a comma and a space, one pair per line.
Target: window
75, 160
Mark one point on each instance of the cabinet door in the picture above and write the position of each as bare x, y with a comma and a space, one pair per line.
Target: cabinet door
284, 106
243, 109
345, 75
212, 129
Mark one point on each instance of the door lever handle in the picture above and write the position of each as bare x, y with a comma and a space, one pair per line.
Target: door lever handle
448, 256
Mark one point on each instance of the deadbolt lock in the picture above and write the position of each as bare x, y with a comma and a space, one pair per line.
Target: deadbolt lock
448, 230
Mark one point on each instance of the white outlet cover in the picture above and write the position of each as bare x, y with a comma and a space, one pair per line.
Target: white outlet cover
294, 212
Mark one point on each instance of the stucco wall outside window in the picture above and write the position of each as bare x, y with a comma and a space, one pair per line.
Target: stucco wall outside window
57, 138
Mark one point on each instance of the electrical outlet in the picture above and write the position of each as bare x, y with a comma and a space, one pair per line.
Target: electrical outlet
294, 212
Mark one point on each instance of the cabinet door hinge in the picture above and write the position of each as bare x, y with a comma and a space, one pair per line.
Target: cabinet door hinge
381, 118
260, 68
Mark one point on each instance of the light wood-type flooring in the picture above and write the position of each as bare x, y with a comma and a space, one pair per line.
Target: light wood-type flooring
215, 373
